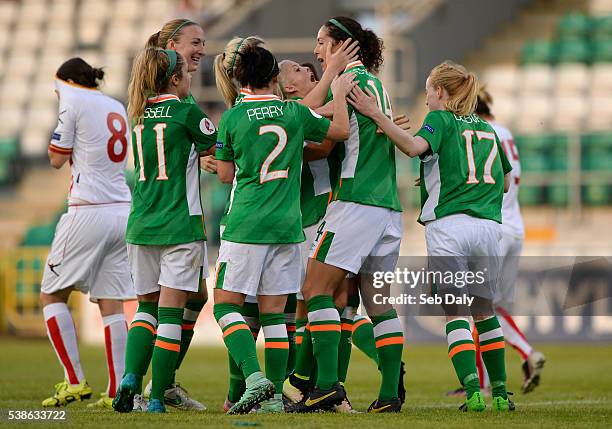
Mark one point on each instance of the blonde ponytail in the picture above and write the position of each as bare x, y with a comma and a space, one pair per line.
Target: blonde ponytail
462, 87
226, 63
149, 78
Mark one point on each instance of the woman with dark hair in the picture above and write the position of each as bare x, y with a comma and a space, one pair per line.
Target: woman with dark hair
360, 233
88, 251
260, 151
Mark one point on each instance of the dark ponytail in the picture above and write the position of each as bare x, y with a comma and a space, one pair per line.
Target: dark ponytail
257, 67
370, 45
81, 73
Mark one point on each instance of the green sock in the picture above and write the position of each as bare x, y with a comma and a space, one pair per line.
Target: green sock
462, 353
166, 350
389, 338
304, 358
190, 315
237, 337
492, 349
277, 347
290, 323
236, 381
363, 338
324, 322
345, 345
139, 345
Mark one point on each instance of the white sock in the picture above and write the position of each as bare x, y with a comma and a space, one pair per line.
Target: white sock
62, 334
513, 335
115, 338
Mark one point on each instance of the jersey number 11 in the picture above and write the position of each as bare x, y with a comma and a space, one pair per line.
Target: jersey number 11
161, 155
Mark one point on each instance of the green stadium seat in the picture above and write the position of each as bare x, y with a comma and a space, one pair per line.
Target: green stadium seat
532, 142
9, 147
573, 26
602, 28
537, 51
40, 235
573, 51
558, 195
5, 170
602, 51
596, 195
534, 162
530, 195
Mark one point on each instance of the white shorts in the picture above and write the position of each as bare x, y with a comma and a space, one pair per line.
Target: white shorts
462, 243
258, 269
180, 266
511, 248
89, 253
358, 238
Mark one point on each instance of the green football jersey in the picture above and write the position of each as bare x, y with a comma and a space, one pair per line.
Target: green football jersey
264, 137
166, 206
190, 99
243, 92
367, 174
464, 170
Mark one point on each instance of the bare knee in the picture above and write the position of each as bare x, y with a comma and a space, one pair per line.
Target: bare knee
110, 306
321, 279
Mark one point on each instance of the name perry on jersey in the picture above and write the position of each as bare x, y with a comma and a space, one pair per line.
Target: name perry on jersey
265, 112
157, 112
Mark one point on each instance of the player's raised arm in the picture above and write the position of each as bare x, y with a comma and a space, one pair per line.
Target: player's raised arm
339, 127
366, 104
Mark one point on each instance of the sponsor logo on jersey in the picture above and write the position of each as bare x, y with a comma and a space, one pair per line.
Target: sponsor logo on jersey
219, 145
429, 128
207, 127
56, 136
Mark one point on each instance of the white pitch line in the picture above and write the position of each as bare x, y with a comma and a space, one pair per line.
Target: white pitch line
531, 404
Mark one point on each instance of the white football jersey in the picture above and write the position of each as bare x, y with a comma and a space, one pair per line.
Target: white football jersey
93, 129
512, 221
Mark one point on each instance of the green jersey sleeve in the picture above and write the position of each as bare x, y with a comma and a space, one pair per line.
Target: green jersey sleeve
315, 126
432, 130
201, 129
224, 151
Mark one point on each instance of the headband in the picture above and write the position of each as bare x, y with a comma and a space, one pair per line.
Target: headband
341, 27
236, 53
172, 58
274, 68
186, 22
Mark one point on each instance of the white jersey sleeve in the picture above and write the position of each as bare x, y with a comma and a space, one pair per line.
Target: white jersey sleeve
93, 129
512, 221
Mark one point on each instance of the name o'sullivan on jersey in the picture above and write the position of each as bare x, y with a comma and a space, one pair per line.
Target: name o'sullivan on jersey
424, 299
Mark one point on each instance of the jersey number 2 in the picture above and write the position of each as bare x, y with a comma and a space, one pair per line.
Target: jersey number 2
480, 135
264, 174
161, 155
117, 135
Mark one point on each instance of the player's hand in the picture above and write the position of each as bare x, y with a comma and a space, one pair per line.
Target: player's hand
346, 53
326, 110
209, 164
365, 103
342, 85
401, 121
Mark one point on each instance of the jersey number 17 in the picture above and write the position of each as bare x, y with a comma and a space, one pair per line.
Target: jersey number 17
481, 138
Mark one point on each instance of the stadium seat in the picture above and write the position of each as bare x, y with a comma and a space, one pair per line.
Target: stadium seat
600, 7
602, 28
600, 115
536, 79
557, 195
569, 112
538, 52
596, 195
12, 116
34, 11
534, 114
501, 79
571, 78
573, 26
40, 235
504, 109
601, 83
572, 51
530, 195
602, 51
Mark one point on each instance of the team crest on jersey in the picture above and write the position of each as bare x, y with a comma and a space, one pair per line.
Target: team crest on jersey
429, 128
207, 127
315, 114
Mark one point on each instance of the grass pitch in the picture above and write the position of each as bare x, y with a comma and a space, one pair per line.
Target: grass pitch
576, 391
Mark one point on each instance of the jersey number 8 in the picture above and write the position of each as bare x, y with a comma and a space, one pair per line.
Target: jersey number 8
117, 135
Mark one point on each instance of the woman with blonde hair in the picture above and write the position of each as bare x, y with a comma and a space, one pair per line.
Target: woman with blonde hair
464, 174
165, 233
187, 38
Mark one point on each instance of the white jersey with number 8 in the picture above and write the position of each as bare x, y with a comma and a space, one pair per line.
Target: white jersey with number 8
93, 129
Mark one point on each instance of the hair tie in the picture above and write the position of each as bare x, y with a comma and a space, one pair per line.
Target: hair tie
187, 21
274, 68
172, 59
236, 53
341, 27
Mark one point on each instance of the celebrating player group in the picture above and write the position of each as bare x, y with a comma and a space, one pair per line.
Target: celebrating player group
313, 213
